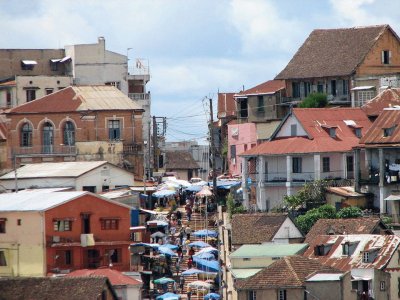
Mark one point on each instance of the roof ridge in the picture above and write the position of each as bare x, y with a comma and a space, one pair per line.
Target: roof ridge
288, 261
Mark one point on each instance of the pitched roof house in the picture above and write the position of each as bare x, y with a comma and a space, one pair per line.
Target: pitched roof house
77, 123
182, 163
369, 257
259, 228
348, 64
389, 97
370, 225
60, 288
309, 144
284, 279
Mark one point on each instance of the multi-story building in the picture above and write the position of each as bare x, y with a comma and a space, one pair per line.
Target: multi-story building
350, 65
46, 231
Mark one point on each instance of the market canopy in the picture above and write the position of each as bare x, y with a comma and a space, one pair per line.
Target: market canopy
205, 255
164, 193
166, 251
208, 250
212, 296
199, 244
193, 188
169, 296
206, 265
157, 222
205, 232
170, 246
192, 271
158, 234
205, 191
163, 280
198, 284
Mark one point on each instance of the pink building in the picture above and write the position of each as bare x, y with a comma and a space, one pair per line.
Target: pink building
241, 137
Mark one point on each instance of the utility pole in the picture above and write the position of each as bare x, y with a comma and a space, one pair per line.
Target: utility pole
212, 145
149, 170
155, 145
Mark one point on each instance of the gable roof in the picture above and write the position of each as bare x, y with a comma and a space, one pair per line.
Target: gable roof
115, 277
387, 98
268, 250
385, 245
332, 52
180, 160
255, 228
315, 122
346, 226
79, 99
54, 169
268, 87
287, 272
389, 118
61, 288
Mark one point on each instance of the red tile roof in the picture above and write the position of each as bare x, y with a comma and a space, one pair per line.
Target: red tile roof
287, 272
313, 120
388, 98
268, 87
386, 245
115, 277
226, 105
389, 118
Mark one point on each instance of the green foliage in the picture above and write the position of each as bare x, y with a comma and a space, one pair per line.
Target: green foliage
294, 202
311, 195
305, 222
388, 221
314, 100
232, 208
349, 212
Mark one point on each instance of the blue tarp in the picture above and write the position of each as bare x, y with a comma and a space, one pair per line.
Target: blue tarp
199, 244
194, 188
226, 184
166, 251
163, 193
205, 255
170, 246
206, 265
205, 232
169, 296
212, 296
191, 272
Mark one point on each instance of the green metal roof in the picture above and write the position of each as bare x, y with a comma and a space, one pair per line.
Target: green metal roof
244, 273
268, 250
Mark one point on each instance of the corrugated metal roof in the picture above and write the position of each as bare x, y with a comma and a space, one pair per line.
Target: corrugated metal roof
268, 250
61, 169
244, 273
265, 130
387, 98
35, 200
326, 277
268, 87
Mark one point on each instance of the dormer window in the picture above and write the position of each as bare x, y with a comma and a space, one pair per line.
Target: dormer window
357, 132
365, 257
331, 129
322, 250
332, 132
370, 255
28, 64
348, 248
388, 131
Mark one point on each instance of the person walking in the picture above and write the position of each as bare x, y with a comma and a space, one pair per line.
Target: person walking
179, 251
188, 231
191, 252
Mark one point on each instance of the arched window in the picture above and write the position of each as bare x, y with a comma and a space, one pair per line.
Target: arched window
26, 135
69, 134
48, 137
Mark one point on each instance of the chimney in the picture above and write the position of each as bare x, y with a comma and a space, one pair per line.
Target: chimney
102, 41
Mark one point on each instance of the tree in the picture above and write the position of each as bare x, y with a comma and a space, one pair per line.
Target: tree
314, 100
305, 222
349, 212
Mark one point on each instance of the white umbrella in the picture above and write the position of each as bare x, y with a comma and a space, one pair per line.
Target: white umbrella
200, 284
205, 191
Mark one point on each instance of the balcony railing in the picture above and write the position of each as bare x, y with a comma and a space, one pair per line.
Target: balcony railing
139, 96
134, 148
302, 177
45, 150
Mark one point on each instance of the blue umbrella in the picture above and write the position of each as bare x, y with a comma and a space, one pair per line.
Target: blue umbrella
170, 246
212, 296
163, 193
205, 232
199, 244
169, 296
192, 271
194, 188
166, 251
163, 280
206, 265
205, 255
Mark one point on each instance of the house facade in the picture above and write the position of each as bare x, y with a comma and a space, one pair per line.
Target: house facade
61, 231
77, 123
350, 65
91, 176
309, 144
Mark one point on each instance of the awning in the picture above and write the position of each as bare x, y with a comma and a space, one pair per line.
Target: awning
55, 60
29, 62
392, 198
148, 211
137, 227
361, 88
65, 59
359, 278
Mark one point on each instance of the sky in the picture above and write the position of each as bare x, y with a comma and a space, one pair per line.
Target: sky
195, 48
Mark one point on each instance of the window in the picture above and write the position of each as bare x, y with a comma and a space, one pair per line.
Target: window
332, 132
382, 285
349, 163
109, 223
30, 95
8, 99
3, 261
386, 56
358, 132
296, 89
62, 225
293, 130
345, 87
320, 87
348, 248
282, 295
48, 137
333, 87
19, 222
365, 257
296, 164
233, 151
64, 257
246, 259
91, 189
69, 134
115, 255
49, 91
252, 295
365, 96
26, 135
114, 130
260, 103
322, 250
243, 108
54, 64
388, 131
28, 64
326, 164
3, 225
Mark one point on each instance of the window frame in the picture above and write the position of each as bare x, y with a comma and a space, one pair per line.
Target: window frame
26, 134
62, 225
109, 223
3, 258
71, 131
260, 104
297, 163
326, 164
282, 294
114, 132
252, 295
30, 95
116, 257
386, 57
3, 225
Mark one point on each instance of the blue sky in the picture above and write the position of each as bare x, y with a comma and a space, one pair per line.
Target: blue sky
195, 48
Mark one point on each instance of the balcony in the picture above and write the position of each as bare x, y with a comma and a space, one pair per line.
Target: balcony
139, 96
134, 148
44, 150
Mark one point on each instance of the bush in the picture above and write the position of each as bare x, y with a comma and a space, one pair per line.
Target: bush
349, 212
305, 222
314, 100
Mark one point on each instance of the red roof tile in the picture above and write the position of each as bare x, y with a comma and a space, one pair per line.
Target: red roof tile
389, 97
115, 277
268, 87
313, 120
